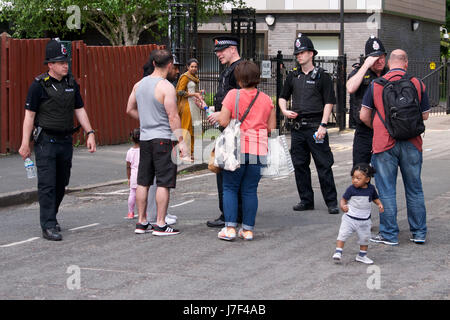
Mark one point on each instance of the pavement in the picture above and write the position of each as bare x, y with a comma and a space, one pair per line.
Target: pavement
107, 167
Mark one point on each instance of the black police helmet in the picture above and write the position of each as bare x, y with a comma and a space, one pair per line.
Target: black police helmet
374, 47
55, 51
303, 43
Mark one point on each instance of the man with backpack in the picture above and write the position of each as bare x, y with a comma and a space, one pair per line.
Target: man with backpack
400, 104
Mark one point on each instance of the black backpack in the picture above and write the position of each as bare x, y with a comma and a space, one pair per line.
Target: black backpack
403, 115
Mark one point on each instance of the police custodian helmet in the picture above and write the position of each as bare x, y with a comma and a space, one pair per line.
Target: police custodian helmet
55, 51
303, 43
374, 47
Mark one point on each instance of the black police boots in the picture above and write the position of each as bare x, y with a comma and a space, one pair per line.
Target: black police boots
333, 210
301, 206
51, 234
218, 223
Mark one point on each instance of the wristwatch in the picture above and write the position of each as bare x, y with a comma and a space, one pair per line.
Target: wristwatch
323, 124
89, 132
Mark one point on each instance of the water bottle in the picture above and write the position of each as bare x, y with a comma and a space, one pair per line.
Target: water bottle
211, 110
315, 138
30, 168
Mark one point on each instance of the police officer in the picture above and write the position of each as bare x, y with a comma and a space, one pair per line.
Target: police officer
312, 102
226, 49
53, 99
359, 80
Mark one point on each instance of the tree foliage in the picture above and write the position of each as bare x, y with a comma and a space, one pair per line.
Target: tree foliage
120, 21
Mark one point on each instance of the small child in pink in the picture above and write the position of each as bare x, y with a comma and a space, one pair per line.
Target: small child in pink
132, 169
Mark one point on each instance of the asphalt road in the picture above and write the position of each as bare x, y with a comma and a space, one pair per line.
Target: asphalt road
289, 259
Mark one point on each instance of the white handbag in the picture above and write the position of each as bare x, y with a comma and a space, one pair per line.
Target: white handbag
279, 161
228, 143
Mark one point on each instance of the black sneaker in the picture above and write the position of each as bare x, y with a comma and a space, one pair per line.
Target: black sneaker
417, 240
141, 228
379, 239
164, 231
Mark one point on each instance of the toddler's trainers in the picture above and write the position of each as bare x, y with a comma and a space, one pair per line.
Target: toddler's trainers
337, 257
245, 234
228, 234
364, 259
164, 231
130, 215
143, 228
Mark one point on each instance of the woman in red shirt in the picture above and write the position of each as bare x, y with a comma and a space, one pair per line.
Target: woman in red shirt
254, 138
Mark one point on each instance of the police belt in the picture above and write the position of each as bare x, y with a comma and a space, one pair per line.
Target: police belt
61, 133
305, 123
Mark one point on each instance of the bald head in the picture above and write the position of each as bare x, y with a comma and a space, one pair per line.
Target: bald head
398, 59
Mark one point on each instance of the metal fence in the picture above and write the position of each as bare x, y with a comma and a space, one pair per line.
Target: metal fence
434, 76
210, 68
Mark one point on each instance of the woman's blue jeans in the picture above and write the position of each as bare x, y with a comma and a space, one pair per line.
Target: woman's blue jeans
403, 155
246, 178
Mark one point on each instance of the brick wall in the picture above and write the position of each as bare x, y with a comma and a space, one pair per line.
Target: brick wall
424, 43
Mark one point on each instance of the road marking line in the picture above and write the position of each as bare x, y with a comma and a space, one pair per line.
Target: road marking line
82, 227
183, 203
279, 178
20, 242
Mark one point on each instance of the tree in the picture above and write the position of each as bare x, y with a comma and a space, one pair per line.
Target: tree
120, 21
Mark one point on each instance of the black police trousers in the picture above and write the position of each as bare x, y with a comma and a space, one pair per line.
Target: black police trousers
219, 180
362, 144
303, 146
53, 163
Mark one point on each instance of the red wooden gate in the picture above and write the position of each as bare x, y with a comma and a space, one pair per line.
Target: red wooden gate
106, 76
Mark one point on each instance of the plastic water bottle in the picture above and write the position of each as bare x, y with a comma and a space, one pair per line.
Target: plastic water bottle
30, 168
211, 110
315, 138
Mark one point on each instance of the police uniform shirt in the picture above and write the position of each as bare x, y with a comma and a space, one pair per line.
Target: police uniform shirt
322, 84
37, 94
368, 78
232, 84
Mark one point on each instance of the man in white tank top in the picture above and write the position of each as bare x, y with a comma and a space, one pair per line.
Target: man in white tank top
153, 103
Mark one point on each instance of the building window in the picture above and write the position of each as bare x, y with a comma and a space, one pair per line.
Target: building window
326, 45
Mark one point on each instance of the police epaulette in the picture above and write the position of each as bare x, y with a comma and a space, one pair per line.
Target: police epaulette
43, 76
43, 79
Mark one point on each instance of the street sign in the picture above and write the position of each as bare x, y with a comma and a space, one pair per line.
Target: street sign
432, 66
266, 69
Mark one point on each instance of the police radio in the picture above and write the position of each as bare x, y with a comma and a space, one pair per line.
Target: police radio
316, 73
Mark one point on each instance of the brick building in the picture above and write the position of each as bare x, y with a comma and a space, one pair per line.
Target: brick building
412, 25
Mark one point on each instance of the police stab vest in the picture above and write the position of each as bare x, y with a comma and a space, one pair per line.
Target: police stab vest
307, 92
56, 112
224, 85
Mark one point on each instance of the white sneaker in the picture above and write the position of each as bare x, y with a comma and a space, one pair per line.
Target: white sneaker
337, 257
364, 259
171, 219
